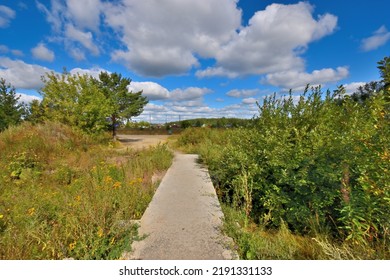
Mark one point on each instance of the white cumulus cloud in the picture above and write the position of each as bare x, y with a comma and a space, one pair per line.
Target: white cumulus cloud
85, 13
27, 98
272, 41
298, 80
190, 93
21, 74
42, 52
151, 90
379, 38
352, 87
165, 37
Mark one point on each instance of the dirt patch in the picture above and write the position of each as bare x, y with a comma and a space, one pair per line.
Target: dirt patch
141, 141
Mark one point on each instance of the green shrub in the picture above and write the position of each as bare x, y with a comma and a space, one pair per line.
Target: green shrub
317, 166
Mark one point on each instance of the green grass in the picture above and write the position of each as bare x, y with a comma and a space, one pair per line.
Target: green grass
254, 242
66, 195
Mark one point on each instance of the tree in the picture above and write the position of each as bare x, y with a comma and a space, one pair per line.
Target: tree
35, 112
11, 110
75, 100
366, 91
124, 104
87, 102
384, 68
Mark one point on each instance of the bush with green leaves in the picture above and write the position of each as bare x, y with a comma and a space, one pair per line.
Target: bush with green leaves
319, 164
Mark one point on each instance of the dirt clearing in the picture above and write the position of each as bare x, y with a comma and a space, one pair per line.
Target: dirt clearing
141, 141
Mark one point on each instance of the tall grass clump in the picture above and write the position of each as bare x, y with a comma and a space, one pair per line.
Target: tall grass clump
317, 166
66, 195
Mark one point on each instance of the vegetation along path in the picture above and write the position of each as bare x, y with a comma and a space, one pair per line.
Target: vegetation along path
183, 221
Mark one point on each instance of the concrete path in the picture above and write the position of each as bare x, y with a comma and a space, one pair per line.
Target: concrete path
184, 218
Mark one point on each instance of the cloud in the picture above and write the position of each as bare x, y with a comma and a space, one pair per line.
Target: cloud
272, 41
155, 91
171, 37
42, 52
151, 90
55, 15
161, 113
379, 38
17, 52
190, 93
76, 53
250, 100
94, 72
21, 74
171, 105
156, 61
72, 22
84, 38
85, 14
242, 92
5, 50
6, 15
166, 38
298, 80
352, 87
27, 98
216, 71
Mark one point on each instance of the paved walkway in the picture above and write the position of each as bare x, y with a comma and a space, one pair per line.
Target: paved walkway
184, 218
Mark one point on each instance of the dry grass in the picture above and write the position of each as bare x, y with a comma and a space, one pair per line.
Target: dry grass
62, 195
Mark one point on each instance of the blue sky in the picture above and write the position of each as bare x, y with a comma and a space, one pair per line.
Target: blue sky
196, 58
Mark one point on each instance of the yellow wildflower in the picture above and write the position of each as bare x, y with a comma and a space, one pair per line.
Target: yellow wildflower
112, 241
31, 211
117, 185
1, 216
107, 179
72, 245
136, 181
100, 232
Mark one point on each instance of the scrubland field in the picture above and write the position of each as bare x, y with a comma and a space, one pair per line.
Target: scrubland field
309, 179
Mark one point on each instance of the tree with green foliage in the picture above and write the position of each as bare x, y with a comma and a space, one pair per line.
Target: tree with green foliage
366, 91
185, 124
11, 111
35, 112
384, 68
123, 103
75, 100
86, 102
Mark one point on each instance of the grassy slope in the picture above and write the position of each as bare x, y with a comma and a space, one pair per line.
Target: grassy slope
66, 195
